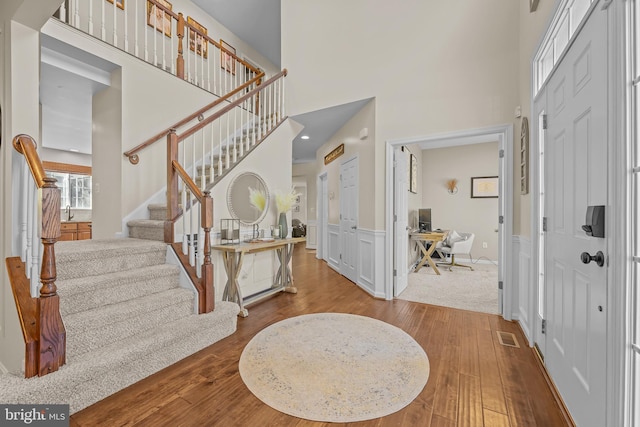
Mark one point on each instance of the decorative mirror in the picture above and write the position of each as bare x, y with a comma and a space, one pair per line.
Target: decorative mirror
248, 198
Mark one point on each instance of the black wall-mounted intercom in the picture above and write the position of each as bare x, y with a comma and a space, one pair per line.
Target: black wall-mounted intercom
595, 221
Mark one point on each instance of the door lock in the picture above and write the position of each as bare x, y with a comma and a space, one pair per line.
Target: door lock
598, 258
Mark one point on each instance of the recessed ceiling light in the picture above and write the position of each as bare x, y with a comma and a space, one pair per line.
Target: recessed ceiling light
304, 137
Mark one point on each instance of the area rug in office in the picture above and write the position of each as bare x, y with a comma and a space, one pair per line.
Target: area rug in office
462, 288
334, 367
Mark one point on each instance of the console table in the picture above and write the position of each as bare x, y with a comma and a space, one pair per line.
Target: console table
423, 238
233, 255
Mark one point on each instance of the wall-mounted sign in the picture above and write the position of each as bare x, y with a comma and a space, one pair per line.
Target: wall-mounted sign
334, 154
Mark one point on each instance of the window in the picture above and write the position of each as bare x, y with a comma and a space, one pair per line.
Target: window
75, 189
568, 17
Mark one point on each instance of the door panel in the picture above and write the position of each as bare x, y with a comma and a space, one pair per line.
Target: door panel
401, 246
349, 219
576, 177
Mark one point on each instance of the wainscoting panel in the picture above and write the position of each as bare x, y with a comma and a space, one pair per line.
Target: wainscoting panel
523, 291
312, 234
334, 246
371, 261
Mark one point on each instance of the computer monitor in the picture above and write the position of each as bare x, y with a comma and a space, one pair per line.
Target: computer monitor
424, 219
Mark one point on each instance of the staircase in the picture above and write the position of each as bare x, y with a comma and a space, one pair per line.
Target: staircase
126, 317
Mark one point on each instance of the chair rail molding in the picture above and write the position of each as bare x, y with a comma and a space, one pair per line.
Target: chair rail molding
333, 237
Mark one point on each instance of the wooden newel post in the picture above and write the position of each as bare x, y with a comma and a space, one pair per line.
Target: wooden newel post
207, 300
173, 210
52, 336
180, 58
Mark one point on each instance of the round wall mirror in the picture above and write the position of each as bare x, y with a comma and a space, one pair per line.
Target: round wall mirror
248, 198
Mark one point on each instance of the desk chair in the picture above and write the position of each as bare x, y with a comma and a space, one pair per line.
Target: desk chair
455, 244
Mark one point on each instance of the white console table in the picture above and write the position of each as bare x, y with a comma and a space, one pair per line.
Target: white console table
233, 255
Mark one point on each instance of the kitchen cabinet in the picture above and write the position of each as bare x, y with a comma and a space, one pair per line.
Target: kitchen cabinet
75, 231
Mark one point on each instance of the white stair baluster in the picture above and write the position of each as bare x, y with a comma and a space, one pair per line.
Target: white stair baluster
90, 27
126, 29
115, 23
24, 210
136, 49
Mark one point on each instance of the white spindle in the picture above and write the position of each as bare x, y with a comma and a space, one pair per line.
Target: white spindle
103, 25
192, 255
227, 150
146, 39
76, 11
235, 133
198, 244
24, 210
209, 74
211, 151
220, 147
115, 23
31, 215
35, 244
63, 13
174, 49
164, 47
185, 248
126, 30
136, 50
91, 17
155, 41
203, 166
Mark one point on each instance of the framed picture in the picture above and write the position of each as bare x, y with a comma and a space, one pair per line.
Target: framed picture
197, 43
119, 3
413, 174
227, 62
483, 187
158, 18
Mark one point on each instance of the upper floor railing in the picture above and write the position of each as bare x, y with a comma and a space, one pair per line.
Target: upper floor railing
152, 31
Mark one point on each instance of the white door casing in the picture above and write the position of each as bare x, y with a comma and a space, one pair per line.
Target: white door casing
323, 218
576, 177
537, 173
349, 219
401, 219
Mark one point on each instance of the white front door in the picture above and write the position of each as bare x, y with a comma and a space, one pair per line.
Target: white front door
575, 178
349, 219
401, 219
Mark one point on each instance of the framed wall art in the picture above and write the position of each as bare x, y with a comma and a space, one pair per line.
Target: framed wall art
227, 62
413, 174
197, 42
158, 18
484, 187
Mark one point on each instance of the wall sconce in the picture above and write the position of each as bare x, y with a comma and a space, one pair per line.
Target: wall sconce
452, 186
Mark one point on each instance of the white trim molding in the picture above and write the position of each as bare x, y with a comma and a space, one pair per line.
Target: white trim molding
333, 238
312, 234
370, 265
523, 291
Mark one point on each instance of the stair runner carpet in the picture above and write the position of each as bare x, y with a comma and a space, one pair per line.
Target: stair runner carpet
126, 317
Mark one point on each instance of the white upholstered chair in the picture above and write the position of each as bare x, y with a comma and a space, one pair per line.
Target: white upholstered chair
454, 244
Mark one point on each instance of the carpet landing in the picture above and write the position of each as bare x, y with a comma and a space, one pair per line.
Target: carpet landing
334, 367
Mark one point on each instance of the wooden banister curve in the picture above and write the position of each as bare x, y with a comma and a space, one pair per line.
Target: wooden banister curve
40, 319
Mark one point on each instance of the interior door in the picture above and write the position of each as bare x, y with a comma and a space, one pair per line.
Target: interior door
349, 219
576, 177
401, 222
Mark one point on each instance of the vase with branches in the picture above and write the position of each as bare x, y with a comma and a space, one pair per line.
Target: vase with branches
284, 202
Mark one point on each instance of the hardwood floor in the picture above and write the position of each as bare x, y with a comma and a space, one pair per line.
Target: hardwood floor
474, 380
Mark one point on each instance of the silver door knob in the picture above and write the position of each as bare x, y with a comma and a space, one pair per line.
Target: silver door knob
586, 258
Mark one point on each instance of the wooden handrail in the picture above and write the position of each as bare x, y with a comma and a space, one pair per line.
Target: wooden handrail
47, 353
188, 181
132, 154
231, 106
26, 146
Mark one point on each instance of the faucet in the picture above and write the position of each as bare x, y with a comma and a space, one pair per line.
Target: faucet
68, 212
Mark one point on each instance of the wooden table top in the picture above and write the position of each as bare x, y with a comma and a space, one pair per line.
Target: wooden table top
435, 236
257, 245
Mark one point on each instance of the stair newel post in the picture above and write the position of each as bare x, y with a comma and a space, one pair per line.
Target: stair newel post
207, 299
180, 58
50, 328
172, 186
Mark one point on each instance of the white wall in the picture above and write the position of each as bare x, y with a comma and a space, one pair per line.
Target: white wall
459, 211
354, 146
432, 66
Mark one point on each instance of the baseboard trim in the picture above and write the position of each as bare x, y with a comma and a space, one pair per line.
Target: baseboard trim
3, 369
552, 386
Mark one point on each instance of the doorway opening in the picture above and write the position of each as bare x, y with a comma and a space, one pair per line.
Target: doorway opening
504, 136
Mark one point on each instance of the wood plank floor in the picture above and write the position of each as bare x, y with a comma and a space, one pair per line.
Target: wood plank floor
474, 380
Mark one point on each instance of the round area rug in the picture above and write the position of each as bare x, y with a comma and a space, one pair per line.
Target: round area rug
334, 367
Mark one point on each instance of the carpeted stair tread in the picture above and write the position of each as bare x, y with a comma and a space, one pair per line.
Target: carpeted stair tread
146, 229
157, 212
96, 328
93, 376
80, 294
96, 257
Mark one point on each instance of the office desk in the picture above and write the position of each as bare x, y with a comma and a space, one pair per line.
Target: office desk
422, 239
233, 255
